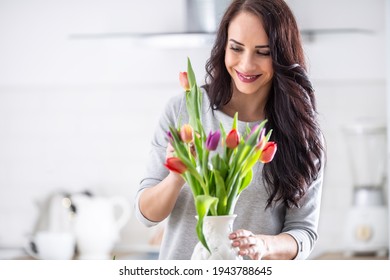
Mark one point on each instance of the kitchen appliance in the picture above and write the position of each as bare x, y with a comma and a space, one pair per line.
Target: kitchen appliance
203, 16
97, 224
52, 237
366, 229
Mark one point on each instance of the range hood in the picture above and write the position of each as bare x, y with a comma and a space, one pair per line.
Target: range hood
202, 17
201, 20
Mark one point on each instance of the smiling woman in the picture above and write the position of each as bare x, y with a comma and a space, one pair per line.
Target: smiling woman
256, 70
247, 53
249, 63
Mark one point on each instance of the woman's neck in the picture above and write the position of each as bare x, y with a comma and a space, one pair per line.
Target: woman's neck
250, 108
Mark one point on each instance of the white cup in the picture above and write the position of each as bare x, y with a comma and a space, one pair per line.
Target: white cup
52, 245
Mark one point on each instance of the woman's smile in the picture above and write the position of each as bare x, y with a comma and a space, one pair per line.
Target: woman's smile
247, 78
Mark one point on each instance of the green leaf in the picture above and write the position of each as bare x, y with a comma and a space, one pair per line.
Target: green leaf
233, 194
186, 157
220, 193
247, 180
205, 168
190, 74
235, 120
268, 136
251, 161
194, 184
203, 204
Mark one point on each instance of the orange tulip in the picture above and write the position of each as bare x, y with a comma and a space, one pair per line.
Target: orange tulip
184, 81
176, 165
186, 133
268, 152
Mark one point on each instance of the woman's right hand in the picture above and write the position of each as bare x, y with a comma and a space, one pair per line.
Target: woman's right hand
157, 202
169, 151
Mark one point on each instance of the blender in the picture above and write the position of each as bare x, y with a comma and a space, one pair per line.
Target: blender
367, 218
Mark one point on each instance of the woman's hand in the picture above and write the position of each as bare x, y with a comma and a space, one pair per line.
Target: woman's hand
169, 151
248, 244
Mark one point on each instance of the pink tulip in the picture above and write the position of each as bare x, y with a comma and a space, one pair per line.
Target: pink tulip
184, 81
263, 140
176, 165
268, 152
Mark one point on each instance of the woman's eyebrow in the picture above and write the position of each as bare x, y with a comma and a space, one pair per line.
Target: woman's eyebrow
257, 47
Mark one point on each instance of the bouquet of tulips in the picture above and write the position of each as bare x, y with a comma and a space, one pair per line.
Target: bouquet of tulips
217, 166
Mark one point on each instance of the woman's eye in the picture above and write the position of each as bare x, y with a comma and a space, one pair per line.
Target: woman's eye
264, 53
235, 49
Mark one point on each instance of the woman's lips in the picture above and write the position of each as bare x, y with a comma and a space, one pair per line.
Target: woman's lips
247, 78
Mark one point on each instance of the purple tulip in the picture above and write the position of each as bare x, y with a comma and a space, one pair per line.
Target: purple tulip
213, 140
169, 136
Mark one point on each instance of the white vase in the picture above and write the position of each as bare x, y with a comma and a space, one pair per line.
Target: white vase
216, 230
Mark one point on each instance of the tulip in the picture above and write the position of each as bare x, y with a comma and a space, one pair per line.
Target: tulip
176, 165
263, 140
213, 140
268, 152
253, 129
232, 139
169, 137
186, 133
184, 81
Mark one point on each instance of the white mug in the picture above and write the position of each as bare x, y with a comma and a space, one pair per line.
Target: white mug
52, 245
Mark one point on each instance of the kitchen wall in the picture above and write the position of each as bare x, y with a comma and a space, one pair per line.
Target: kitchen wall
79, 101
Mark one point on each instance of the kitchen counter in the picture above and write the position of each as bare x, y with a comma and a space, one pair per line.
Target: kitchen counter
139, 252
344, 256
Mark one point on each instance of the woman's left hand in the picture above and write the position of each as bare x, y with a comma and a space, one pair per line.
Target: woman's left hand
249, 244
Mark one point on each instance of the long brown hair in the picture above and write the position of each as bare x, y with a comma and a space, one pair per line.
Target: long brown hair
290, 108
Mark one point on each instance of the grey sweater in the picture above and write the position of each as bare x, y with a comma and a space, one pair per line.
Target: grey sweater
180, 236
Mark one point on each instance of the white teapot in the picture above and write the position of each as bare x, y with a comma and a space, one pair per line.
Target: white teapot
96, 225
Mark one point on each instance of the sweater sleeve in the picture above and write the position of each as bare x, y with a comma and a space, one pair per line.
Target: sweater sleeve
155, 170
302, 223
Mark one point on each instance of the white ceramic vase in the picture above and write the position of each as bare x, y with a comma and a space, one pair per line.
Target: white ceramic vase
216, 230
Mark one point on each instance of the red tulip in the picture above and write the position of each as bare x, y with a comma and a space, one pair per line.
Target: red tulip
232, 139
176, 165
186, 133
268, 152
184, 81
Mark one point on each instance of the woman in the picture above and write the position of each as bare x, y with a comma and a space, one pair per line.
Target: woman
257, 69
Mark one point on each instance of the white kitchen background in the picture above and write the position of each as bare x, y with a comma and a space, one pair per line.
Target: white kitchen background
79, 99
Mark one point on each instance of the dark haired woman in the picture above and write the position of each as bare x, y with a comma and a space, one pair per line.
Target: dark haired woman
257, 69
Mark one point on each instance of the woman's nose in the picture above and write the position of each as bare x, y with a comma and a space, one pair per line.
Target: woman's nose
247, 63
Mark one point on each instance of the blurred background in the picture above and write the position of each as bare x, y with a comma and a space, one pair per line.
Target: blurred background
82, 85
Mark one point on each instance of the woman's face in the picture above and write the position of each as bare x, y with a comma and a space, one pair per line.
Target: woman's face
247, 57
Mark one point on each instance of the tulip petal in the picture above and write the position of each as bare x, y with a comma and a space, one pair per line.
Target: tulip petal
183, 78
186, 133
268, 152
176, 165
232, 139
213, 140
